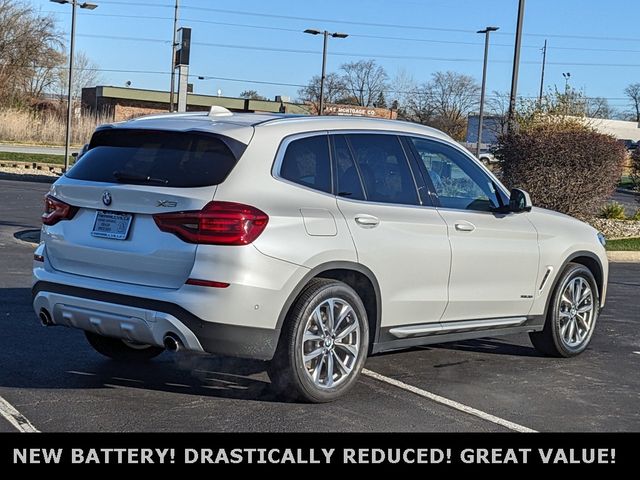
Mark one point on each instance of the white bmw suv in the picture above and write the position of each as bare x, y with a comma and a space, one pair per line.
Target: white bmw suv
310, 242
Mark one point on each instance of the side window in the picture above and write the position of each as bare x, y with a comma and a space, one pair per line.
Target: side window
306, 162
348, 182
383, 166
459, 183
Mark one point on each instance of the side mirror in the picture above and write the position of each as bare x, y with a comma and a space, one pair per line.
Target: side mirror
519, 201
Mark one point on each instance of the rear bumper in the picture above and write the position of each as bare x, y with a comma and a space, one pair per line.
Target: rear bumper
148, 321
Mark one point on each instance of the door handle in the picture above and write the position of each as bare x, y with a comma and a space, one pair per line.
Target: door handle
367, 221
465, 227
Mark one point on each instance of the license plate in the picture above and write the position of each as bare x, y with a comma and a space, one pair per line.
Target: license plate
112, 225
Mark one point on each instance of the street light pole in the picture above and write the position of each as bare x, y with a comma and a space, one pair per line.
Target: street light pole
486, 32
74, 4
516, 66
325, 35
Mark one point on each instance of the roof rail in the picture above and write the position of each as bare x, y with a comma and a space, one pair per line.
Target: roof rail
217, 111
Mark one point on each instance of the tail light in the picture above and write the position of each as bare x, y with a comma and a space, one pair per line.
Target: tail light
218, 223
56, 210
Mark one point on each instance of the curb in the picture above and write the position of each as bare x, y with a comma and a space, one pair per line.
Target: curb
624, 256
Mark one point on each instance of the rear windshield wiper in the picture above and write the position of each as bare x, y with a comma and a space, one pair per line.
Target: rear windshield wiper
135, 177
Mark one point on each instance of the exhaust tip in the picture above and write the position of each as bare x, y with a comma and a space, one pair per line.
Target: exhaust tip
171, 343
45, 317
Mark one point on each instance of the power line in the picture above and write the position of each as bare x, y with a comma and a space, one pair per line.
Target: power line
360, 54
367, 24
357, 35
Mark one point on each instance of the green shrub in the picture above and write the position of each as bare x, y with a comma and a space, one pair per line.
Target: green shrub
636, 216
563, 163
613, 211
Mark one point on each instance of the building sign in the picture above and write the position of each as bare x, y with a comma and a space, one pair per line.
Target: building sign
358, 111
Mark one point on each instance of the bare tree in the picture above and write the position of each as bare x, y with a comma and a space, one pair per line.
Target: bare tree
28, 40
334, 90
633, 92
598, 107
365, 81
445, 102
419, 106
252, 95
86, 73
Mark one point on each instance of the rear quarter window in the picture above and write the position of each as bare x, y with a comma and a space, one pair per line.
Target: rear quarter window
166, 158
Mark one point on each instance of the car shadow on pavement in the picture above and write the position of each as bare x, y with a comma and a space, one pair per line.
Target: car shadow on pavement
490, 345
33, 356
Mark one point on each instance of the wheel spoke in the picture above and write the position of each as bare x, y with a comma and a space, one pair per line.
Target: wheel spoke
564, 314
317, 317
575, 290
572, 328
585, 296
565, 298
586, 308
563, 329
341, 366
331, 314
350, 349
317, 370
314, 354
329, 382
311, 337
344, 313
346, 331
583, 321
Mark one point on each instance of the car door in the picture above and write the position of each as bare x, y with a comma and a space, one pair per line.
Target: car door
495, 256
398, 236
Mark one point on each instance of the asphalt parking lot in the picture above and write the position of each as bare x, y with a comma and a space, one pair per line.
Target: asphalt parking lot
58, 383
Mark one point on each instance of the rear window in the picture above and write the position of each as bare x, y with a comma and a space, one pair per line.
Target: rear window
164, 158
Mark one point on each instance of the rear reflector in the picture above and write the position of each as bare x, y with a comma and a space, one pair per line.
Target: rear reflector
56, 210
218, 223
206, 283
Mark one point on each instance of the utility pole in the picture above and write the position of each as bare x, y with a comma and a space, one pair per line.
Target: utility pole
544, 62
516, 66
174, 44
486, 32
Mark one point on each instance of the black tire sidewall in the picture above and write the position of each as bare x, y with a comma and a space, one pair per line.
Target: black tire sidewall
571, 272
301, 380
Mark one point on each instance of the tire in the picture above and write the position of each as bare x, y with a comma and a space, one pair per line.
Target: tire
120, 350
560, 338
311, 381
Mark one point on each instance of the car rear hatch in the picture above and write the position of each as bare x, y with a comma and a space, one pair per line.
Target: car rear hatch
127, 176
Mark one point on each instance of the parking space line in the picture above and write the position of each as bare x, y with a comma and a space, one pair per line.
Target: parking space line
15, 418
449, 403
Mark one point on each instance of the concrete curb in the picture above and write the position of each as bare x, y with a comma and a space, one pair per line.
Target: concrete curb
52, 167
624, 257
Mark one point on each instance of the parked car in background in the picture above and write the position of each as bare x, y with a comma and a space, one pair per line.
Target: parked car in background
308, 242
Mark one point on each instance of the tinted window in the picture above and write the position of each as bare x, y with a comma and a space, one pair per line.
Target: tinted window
459, 183
172, 159
384, 169
306, 162
348, 182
